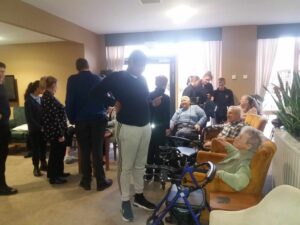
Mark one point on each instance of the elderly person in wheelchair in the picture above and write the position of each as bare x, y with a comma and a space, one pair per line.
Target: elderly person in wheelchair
188, 120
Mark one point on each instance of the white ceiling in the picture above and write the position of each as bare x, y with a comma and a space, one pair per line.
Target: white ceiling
15, 35
117, 16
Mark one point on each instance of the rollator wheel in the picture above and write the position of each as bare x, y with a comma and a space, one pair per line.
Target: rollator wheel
153, 221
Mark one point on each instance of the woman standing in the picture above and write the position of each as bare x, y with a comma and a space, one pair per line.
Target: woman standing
33, 111
54, 123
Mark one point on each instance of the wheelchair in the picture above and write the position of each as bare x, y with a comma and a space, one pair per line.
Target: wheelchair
183, 203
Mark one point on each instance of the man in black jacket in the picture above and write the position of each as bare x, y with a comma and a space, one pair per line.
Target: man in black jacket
90, 121
4, 134
223, 98
160, 123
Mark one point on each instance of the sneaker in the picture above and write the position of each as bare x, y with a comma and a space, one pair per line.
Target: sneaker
126, 211
141, 202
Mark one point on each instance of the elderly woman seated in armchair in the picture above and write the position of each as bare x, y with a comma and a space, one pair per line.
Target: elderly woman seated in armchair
234, 169
188, 120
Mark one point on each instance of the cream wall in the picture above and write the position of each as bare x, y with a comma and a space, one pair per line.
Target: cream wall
239, 58
18, 13
28, 62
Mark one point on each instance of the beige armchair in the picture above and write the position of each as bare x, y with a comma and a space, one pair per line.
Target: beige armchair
280, 207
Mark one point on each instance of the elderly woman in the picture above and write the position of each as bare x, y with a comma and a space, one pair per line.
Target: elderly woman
187, 120
248, 105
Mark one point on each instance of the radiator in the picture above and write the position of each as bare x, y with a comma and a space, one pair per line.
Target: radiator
286, 162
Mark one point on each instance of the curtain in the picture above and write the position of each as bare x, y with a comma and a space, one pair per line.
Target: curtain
115, 57
212, 59
266, 53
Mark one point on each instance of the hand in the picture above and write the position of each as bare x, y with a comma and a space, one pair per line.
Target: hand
168, 132
207, 144
157, 101
118, 106
197, 127
222, 141
61, 139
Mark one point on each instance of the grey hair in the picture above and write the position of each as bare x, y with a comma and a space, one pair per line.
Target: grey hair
255, 137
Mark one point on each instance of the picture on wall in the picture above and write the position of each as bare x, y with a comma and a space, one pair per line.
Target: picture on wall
10, 85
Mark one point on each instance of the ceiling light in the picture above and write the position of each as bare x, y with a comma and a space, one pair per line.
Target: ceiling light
181, 13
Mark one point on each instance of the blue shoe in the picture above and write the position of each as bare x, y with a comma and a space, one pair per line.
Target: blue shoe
126, 211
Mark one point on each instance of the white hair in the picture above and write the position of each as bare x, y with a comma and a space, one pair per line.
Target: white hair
255, 137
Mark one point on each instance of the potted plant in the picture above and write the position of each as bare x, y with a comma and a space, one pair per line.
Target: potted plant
287, 99
286, 162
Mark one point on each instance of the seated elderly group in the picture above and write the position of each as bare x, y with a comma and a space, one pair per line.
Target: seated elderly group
239, 140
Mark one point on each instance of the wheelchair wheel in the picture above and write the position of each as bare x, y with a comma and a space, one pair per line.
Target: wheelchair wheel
152, 219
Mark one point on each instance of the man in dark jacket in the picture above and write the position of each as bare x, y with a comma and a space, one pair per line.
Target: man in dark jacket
223, 98
4, 134
160, 123
90, 121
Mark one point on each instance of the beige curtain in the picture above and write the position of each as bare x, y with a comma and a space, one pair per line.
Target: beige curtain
266, 53
212, 59
115, 57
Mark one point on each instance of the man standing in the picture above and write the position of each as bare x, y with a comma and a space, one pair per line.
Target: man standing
90, 121
160, 124
133, 129
4, 134
223, 98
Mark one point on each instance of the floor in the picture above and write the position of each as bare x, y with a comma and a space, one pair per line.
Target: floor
39, 203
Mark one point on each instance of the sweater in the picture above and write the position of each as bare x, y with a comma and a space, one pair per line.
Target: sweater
223, 99
33, 113
160, 115
4, 106
191, 116
133, 94
79, 107
234, 170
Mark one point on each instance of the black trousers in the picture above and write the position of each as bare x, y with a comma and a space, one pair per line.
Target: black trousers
4, 140
90, 135
158, 138
56, 159
38, 147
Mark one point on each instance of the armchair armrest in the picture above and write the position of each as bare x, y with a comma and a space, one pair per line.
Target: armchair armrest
203, 156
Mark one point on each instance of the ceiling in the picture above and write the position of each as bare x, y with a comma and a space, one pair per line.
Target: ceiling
15, 35
118, 16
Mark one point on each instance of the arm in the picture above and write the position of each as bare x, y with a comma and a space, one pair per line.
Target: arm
174, 119
201, 114
100, 90
238, 180
70, 102
30, 116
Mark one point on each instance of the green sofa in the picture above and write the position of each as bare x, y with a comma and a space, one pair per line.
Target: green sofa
18, 136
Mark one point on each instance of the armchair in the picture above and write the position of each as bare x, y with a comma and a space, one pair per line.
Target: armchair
280, 206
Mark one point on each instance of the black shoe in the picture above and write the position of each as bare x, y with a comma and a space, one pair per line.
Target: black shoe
141, 202
37, 172
8, 191
65, 175
57, 181
106, 184
148, 177
85, 186
44, 166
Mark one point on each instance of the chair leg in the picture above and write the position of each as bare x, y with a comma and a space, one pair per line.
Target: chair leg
115, 150
106, 148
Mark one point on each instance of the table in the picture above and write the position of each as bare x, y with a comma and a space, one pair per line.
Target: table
233, 201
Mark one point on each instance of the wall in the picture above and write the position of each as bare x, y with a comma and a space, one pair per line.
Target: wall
239, 58
28, 62
20, 14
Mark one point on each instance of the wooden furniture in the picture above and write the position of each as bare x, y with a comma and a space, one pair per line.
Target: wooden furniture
232, 201
107, 142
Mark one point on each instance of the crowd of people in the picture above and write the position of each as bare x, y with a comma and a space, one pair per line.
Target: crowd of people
141, 120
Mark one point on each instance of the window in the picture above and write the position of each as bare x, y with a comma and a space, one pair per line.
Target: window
286, 59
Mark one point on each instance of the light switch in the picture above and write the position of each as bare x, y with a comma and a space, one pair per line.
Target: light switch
245, 76
233, 77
